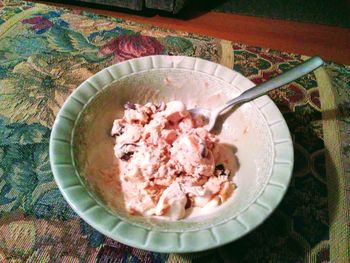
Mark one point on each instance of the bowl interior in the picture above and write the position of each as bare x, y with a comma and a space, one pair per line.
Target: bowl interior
243, 131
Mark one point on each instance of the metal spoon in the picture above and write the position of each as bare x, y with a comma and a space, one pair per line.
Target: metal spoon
259, 90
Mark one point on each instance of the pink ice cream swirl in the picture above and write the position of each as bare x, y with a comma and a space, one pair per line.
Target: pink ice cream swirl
167, 163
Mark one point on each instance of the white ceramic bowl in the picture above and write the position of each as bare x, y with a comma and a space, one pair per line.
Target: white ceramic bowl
81, 151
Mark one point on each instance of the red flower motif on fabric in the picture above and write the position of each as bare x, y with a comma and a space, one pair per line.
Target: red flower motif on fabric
263, 76
40, 24
289, 96
131, 46
314, 98
295, 94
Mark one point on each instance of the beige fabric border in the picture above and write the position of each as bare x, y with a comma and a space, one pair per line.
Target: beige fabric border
312, 255
5, 27
226, 54
336, 176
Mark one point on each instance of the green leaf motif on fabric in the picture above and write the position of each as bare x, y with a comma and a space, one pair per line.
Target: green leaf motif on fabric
36, 88
249, 64
178, 45
41, 165
288, 65
263, 64
23, 179
58, 40
17, 135
69, 41
66, 40
27, 180
15, 50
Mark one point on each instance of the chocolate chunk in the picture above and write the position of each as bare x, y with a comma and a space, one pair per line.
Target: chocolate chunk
129, 106
160, 107
203, 150
126, 156
127, 144
125, 151
222, 170
179, 173
118, 130
220, 167
227, 172
189, 202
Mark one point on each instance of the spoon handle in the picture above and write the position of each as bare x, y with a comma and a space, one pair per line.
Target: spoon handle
283, 79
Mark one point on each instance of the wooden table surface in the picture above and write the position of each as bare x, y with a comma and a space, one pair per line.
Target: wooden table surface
329, 42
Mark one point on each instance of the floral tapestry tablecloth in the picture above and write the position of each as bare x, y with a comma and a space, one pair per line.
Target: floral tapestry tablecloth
46, 52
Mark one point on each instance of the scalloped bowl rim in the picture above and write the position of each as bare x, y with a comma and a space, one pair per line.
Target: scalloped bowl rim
68, 181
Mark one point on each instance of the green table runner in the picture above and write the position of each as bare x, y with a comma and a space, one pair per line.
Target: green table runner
46, 52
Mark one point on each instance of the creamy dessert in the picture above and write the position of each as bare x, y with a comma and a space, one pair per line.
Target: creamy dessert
168, 163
